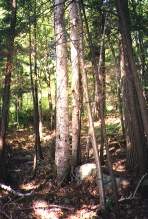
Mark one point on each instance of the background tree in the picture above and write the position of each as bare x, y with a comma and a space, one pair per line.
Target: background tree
75, 53
6, 90
137, 112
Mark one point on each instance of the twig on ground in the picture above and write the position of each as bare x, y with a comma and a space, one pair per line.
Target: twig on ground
9, 189
48, 207
132, 196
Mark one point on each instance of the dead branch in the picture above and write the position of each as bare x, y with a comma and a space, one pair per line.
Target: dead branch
12, 191
47, 207
133, 196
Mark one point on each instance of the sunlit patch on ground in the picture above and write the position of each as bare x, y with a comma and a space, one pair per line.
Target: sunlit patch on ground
28, 186
43, 211
86, 212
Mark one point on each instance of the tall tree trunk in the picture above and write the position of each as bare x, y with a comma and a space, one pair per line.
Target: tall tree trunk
36, 102
134, 131
96, 70
48, 82
34, 88
62, 153
6, 89
122, 9
118, 81
135, 106
74, 24
138, 35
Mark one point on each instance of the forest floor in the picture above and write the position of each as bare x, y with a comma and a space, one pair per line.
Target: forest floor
50, 200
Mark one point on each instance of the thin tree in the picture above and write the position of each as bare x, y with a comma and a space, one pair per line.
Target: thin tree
34, 88
90, 118
118, 81
6, 90
75, 52
96, 70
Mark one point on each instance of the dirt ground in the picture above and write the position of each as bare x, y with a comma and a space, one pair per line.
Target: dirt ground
50, 200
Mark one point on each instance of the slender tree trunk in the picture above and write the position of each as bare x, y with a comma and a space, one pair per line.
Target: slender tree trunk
48, 79
36, 103
102, 101
96, 70
17, 110
118, 81
6, 89
62, 153
91, 122
34, 89
74, 23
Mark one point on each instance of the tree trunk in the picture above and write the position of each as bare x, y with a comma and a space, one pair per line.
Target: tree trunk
34, 89
122, 9
74, 24
134, 131
6, 89
62, 153
91, 122
48, 79
118, 81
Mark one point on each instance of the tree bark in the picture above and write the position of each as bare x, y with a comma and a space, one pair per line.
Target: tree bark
6, 89
34, 88
118, 81
122, 9
134, 131
75, 52
91, 122
62, 153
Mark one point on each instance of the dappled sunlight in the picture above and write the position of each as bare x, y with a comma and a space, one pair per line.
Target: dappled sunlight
85, 212
112, 120
28, 186
119, 166
48, 136
42, 210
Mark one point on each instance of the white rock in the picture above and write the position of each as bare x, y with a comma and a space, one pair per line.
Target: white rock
85, 171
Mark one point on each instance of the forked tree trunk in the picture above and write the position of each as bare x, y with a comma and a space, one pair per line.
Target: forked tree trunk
6, 89
75, 52
62, 153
